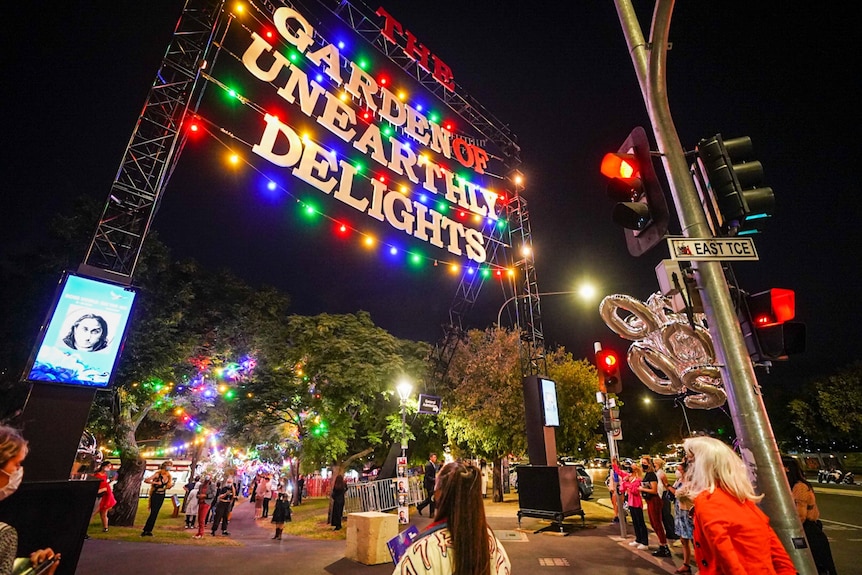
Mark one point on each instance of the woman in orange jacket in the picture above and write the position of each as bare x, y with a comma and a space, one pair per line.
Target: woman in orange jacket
732, 535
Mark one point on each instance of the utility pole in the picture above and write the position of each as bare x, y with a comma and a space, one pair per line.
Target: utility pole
758, 446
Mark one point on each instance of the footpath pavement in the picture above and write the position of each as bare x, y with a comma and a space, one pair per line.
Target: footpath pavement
590, 547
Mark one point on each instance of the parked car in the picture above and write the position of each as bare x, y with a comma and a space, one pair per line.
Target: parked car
585, 482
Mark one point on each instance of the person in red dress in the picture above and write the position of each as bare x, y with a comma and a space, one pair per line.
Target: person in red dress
106, 494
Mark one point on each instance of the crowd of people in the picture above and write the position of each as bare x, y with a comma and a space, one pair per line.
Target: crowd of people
711, 510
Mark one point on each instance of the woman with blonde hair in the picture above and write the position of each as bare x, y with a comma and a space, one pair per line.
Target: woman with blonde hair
459, 540
731, 534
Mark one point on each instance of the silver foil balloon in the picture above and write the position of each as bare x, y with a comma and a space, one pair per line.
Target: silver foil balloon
670, 354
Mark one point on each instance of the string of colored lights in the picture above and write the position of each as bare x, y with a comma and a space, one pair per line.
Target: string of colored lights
343, 228
383, 79
206, 384
263, 22
414, 256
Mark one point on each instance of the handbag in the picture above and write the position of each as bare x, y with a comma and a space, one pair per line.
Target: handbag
668, 496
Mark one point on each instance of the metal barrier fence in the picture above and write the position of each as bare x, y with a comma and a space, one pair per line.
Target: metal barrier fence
380, 495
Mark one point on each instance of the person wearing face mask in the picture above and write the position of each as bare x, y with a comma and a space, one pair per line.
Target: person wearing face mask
650, 493
224, 501
13, 450
161, 481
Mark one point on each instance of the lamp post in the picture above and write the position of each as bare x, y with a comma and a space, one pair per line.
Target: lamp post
586, 291
404, 388
676, 401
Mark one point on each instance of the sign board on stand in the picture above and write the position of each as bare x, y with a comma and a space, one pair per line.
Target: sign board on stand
430, 404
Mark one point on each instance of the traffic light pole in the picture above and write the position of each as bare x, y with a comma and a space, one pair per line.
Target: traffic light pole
607, 404
758, 446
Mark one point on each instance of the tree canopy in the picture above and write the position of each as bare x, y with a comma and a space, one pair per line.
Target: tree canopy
334, 386
829, 414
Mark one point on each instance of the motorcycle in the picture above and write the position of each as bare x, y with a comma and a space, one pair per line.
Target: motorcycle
835, 476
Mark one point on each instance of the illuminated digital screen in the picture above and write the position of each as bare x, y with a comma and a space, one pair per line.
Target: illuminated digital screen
549, 403
83, 336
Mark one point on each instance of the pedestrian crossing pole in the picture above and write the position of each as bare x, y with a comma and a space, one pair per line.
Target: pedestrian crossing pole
607, 404
751, 423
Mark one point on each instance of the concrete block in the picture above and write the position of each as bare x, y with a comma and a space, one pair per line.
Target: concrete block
367, 534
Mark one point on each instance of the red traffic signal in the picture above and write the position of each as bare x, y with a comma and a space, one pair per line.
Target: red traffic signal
773, 306
765, 320
641, 206
608, 367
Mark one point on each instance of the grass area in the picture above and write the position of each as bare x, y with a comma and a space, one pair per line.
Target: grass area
309, 521
168, 529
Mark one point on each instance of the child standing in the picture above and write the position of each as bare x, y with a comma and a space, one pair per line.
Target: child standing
280, 514
192, 505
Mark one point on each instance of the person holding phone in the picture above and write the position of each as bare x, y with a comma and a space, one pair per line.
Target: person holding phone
13, 450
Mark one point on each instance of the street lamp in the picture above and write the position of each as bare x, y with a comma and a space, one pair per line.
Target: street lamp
404, 388
585, 291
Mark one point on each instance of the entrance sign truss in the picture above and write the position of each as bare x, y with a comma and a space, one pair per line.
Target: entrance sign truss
177, 93
153, 148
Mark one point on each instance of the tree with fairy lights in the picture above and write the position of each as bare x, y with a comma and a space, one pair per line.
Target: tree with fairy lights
333, 392
189, 328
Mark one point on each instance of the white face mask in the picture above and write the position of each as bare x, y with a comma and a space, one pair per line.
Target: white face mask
15, 479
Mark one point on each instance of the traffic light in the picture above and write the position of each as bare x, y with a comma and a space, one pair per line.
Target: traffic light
731, 186
641, 206
765, 320
608, 366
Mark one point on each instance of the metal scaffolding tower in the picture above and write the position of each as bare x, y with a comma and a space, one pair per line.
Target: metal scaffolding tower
157, 139
528, 309
154, 147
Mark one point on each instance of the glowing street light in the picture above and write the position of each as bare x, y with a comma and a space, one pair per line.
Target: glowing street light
404, 389
586, 291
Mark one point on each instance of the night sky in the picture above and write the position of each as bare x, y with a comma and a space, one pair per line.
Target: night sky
76, 77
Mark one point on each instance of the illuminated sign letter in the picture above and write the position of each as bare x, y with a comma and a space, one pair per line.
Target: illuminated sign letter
302, 37
267, 144
252, 55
